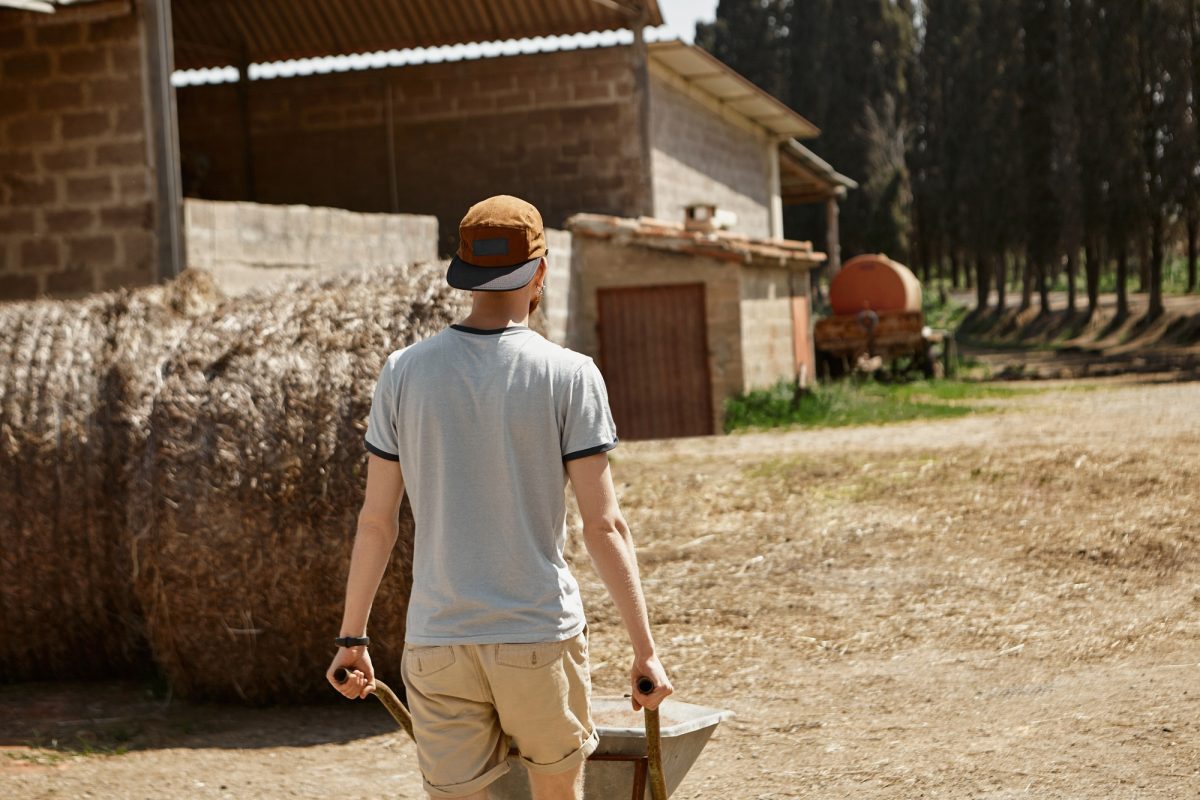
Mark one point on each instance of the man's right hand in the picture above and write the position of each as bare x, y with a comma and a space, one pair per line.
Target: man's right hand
650, 668
360, 677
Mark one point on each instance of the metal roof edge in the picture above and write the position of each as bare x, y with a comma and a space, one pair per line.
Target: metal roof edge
794, 149
699, 54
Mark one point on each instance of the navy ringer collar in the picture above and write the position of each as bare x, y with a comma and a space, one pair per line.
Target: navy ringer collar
492, 332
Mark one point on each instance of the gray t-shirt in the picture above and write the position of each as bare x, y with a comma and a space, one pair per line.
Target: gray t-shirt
482, 423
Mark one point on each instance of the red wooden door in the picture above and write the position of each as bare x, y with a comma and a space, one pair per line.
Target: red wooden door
654, 356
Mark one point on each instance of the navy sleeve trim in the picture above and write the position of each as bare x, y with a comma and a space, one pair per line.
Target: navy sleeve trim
381, 453
591, 451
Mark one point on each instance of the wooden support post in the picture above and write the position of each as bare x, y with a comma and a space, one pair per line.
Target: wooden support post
390, 125
833, 241
776, 191
164, 134
641, 92
243, 96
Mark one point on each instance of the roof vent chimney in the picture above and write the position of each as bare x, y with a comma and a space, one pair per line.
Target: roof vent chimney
707, 217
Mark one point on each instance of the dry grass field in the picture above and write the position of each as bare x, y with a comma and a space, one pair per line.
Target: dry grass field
1004, 605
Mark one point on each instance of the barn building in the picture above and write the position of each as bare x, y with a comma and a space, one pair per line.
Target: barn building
111, 176
98, 149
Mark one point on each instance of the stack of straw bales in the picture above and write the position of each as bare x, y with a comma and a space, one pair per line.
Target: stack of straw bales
248, 489
75, 378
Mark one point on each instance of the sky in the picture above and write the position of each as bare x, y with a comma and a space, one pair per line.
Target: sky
681, 17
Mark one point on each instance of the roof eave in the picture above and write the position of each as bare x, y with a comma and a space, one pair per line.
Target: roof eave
779, 119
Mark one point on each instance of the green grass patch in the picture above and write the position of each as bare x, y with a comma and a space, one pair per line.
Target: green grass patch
940, 312
860, 403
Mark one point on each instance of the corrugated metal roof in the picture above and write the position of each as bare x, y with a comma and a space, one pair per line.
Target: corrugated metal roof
42, 6
720, 81
213, 33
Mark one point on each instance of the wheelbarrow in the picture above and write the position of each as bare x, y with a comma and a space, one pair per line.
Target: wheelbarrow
635, 760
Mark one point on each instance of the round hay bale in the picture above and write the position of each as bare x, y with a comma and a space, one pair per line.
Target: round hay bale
251, 483
66, 599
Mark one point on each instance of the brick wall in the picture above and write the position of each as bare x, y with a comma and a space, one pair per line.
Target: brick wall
248, 245
699, 156
76, 210
559, 129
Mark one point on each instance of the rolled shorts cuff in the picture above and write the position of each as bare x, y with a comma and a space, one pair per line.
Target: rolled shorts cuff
571, 760
468, 787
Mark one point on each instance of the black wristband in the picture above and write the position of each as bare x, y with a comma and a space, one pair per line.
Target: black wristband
352, 641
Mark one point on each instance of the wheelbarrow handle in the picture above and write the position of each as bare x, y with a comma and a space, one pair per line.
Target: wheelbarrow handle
386, 696
658, 783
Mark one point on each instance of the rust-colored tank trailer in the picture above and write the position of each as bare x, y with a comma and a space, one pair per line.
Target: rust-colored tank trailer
874, 283
877, 319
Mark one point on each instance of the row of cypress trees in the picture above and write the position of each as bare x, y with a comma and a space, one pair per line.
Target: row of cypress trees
1002, 144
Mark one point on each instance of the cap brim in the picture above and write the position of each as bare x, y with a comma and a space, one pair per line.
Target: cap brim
462, 275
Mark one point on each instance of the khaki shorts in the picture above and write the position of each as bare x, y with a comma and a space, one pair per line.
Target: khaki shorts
469, 702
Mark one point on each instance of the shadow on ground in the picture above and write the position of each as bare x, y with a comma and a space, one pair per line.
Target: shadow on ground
117, 717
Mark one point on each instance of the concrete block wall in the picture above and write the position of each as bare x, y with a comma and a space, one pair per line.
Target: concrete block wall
249, 245
768, 338
76, 209
558, 129
601, 264
557, 302
698, 156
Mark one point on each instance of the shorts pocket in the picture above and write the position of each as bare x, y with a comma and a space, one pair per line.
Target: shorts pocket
535, 655
424, 661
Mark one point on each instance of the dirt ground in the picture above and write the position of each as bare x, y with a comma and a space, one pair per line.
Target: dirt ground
1003, 605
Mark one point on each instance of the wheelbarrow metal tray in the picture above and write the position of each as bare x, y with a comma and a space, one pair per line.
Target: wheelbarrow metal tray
617, 769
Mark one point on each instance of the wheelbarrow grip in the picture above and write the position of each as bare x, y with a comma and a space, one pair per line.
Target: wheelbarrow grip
389, 699
658, 783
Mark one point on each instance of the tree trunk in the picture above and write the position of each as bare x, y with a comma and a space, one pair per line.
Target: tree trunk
954, 265
1156, 266
1072, 269
1001, 277
1043, 279
1193, 228
1144, 266
981, 282
1091, 267
1122, 279
1026, 282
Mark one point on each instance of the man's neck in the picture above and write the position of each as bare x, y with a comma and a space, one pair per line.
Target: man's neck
494, 312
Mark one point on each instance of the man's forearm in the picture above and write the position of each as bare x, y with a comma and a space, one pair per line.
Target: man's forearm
612, 553
373, 543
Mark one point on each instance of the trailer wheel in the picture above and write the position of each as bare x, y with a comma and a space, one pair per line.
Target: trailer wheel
927, 363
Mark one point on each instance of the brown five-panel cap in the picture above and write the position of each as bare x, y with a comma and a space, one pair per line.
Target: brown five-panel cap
500, 242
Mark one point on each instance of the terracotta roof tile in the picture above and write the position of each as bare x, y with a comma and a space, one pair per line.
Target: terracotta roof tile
673, 236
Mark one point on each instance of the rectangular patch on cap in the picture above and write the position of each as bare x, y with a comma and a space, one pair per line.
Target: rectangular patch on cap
489, 247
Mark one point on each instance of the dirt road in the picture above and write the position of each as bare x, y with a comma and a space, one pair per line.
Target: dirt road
997, 606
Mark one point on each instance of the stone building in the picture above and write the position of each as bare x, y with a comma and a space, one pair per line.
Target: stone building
566, 130
680, 320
